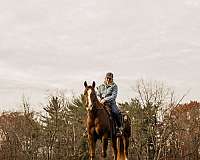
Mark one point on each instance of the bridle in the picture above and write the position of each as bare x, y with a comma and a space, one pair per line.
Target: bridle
92, 107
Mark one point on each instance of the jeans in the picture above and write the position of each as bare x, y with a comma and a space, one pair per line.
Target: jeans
116, 114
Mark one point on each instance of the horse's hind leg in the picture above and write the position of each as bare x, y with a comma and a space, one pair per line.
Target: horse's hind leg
105, 145
126, 144
114, 148
118, 144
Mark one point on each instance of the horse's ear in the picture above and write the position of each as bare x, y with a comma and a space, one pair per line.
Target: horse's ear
85, 84
93, 84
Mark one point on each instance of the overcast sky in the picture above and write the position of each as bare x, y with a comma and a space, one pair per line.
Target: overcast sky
48, 44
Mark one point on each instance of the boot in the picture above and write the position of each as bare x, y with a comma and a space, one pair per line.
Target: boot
119, 127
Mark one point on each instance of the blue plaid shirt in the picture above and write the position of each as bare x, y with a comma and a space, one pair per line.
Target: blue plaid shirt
108, 92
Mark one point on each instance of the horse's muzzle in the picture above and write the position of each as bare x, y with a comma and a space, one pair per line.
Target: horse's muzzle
89, 108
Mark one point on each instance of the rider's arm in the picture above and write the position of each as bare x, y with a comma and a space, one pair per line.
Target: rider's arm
113, 96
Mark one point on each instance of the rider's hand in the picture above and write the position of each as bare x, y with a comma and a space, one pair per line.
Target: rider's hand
102, 101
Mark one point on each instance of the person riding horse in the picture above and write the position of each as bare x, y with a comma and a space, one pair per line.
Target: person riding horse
107, 94
99, 124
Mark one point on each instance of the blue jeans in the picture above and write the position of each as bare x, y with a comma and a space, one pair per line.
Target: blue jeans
116, 114
115, 109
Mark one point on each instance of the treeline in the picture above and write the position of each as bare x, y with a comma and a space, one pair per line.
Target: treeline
162, 128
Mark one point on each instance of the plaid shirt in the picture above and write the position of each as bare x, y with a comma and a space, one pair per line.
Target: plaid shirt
107, 92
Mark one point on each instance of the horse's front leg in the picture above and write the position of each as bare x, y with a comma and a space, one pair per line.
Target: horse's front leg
105, 145
92, 144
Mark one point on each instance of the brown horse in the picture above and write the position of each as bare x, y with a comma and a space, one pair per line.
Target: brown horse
99, 124
123, 140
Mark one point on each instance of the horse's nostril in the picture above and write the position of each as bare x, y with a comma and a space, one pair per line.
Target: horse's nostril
89, 108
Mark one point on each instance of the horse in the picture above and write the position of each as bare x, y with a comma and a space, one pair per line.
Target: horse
123, 139
99, 124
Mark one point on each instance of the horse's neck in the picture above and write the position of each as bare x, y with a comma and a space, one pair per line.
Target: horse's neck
98, 106
91, 115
